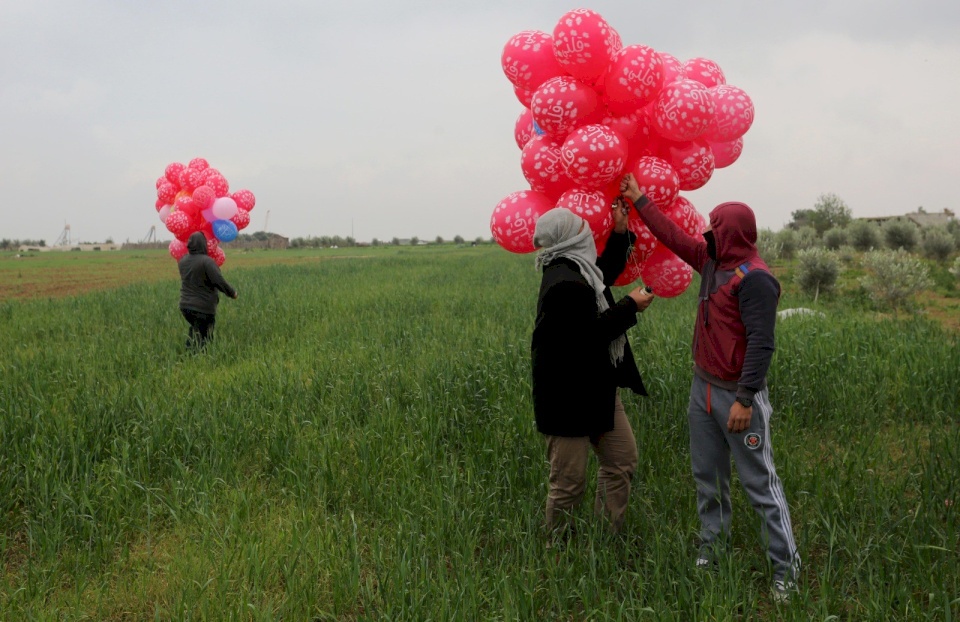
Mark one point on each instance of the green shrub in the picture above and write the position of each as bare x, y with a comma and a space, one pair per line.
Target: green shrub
955, 269
894, 277
817, 271
807, 237
938, 244
864, 236
787, 241
767, 245
900, 234
834, 238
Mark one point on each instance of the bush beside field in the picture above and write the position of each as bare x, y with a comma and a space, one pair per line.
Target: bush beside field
359, 444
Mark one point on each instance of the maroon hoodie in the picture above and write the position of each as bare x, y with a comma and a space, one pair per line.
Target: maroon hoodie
733, 340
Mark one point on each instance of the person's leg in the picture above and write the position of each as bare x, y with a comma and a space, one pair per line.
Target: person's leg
710, 460
193, 336
617, 452
568, 473
205, 326
753, 456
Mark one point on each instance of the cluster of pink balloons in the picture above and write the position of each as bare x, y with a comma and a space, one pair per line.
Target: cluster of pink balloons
196, 197
595, 110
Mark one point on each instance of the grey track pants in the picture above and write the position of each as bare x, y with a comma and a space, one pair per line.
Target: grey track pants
711, 445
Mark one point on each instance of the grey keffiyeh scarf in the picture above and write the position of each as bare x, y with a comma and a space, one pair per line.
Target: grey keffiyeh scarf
561, 233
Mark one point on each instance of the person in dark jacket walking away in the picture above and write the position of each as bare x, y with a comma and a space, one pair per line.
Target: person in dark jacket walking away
729, 409
200, 279
580, 356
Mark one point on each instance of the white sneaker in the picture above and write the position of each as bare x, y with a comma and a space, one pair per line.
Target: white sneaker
783, 590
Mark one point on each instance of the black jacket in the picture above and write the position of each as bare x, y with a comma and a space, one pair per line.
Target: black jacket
574, 381
200, 278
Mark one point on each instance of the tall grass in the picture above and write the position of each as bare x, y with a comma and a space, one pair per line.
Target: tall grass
358, 443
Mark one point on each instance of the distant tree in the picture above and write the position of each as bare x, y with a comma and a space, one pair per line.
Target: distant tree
801, 218
817, 271
395, 241
439, 240
807, 238
458, 239
414, 241
829, 211
349, 241
863, 235
938, 244
894, 277
834, 238
374, 242
900, 234
767, 244
479, 240
787, 241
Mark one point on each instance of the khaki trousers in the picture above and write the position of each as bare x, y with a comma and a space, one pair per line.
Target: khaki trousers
617, 452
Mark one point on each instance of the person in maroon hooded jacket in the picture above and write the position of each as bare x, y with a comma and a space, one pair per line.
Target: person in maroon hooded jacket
729, 410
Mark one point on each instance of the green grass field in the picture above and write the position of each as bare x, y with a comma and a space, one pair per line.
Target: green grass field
359, 444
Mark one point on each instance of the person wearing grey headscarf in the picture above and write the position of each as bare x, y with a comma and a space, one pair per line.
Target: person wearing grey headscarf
580, 358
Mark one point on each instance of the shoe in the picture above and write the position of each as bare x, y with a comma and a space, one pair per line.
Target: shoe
707, 559
783, 590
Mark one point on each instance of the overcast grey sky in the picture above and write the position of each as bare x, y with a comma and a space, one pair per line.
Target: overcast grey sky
386, 119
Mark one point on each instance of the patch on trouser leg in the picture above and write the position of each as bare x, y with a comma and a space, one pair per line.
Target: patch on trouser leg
752, 440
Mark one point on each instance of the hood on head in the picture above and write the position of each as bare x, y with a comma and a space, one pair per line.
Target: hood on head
197, 244
556, 226
735, 231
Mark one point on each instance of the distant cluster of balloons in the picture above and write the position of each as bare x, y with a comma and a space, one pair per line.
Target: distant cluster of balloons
594, 110
196, 197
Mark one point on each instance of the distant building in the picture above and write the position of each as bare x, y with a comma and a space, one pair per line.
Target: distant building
72, 247
921, 218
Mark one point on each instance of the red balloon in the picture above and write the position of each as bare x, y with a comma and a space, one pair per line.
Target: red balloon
542, 166
163, 180
218, 183
584, 43
218, 256
631, 272
159, 204
593, 156
198, 164
561, 104
185, 204
172, 173
528, 61
179, 224
657, 179
634, 79
684, 110
167, 193
515, 217
177, 249
704, 71
693, 162
665, 273
733, 114
241, 218
672, 68
524, 96
212, 245
686, 216
593, 207
204, 197
244, 199
725, 154
523, 128
626, 125
190, 178
646, 242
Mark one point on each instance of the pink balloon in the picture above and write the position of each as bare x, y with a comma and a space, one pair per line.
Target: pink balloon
657, 179
593, 207
172, 173
177, 249
523, 128
164, 212
528, 61
241, 218
542, 166
634, 79
665, 273
245, 199
684, 110
693, 161
204, 196
733, 114
224, 208
672, 68
561, 104
686, 216
584, 43
704, 71
208, 215
593, 156
198, 164
515, 217
725, 154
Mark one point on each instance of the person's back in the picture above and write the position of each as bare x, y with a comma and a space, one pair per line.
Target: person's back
200, 279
